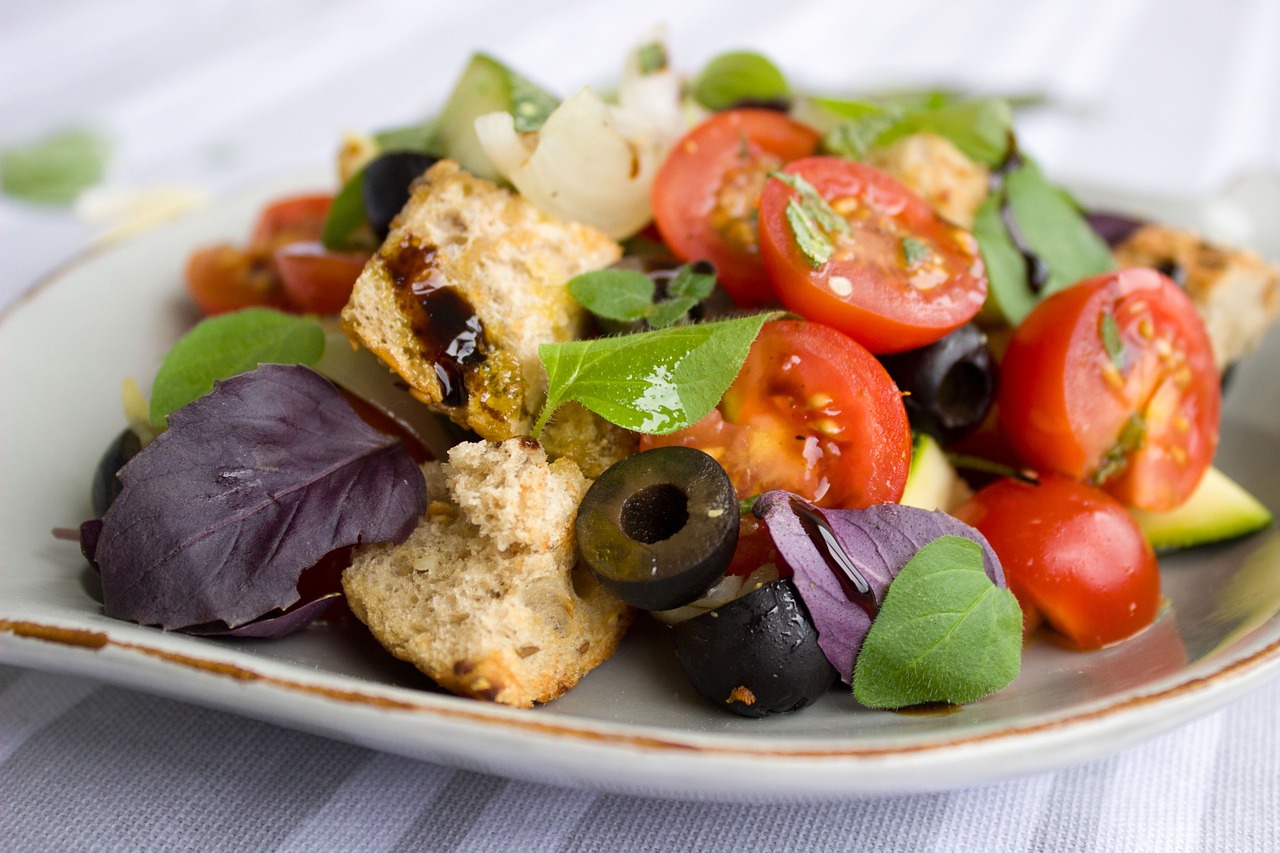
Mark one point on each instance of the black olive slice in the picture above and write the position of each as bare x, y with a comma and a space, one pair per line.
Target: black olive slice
106, 486
385, 187
659, 527
949, 385
756, 655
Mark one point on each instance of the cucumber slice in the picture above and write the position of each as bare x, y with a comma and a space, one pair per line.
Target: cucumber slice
487, 86
932, 482
1217, 510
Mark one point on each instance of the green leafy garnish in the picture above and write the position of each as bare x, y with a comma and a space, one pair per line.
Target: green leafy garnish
1133, 434
914, 250
1028, 217
530, 103
627, 296
651, 57
229, 344
651, 382
945, 632
736, 77
1109, 331
812, 220
345, 224
980, 127
56, 169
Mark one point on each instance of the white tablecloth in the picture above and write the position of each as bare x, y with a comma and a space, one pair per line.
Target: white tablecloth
1159, 97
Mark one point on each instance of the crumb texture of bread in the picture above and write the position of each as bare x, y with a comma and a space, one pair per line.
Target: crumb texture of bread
484, 596
470, 280
939, 172
1236, 292
574, 431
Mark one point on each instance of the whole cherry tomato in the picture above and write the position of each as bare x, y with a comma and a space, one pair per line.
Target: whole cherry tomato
706, 195
1072, 555
852, 246
1113, 380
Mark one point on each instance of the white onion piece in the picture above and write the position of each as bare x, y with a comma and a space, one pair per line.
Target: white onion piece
579, 166
722, 592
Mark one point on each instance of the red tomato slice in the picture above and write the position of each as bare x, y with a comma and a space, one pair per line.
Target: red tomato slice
1113, 380
811, 412
227, 278
290, 220
317, 280
898, 277
706, 195
1072, 556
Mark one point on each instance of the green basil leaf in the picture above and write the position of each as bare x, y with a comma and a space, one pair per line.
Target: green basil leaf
56, 169
651, 382
945, 632
738, 76
346, 220
1008, 294
979, 128
419, 137
621, 295
854, 138
229, 344
1055, 229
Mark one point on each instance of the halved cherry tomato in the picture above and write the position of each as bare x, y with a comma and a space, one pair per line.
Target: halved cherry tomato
1072, 556
1113, 380
315, 279
291, 219
811, 412
706, 195
898, 277
283, 266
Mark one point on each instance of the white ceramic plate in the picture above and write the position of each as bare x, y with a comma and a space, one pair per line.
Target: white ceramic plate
632, 725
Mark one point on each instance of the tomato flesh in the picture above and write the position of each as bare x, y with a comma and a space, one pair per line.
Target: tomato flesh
811, 412
706, 194
899, 275
315, 279
1072, 556
1112, 380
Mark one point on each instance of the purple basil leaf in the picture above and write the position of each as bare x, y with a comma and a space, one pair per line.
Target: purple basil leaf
1113, 228
295, 618
250, 485
90, 531
877, 541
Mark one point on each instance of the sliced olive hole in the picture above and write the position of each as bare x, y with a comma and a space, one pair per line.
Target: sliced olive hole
655, 513
963, 394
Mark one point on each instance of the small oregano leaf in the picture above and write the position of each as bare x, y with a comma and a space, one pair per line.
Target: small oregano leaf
813, 221
228, 344
651, 382
615, 294
736, 77
945, 632
1109, 332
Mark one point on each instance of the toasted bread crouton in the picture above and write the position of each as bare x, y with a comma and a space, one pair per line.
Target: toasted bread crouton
1235, 290
483, 597
574, 431
936, 170
470, 280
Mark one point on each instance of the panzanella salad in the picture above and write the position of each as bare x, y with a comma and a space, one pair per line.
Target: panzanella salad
843, 389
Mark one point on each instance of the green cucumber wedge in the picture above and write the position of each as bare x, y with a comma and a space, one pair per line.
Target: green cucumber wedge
1219, 509
932, 482
487, 86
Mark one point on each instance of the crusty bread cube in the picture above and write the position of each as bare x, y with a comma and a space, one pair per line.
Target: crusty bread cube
470, 280
1236, 292
484, 596
938, 172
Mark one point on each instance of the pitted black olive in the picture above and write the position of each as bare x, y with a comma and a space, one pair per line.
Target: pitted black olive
385, 188
949, 384
659, 527
106, 487
756, 655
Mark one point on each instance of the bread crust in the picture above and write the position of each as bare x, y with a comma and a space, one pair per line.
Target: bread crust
484, 596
